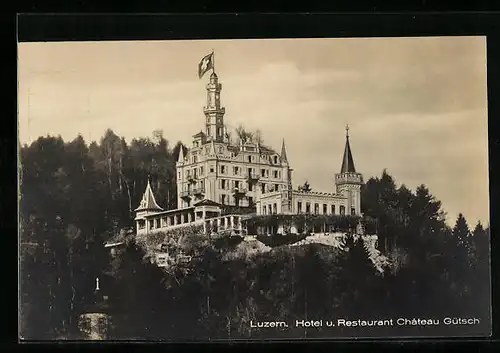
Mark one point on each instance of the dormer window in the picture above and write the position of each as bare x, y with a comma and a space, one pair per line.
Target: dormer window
275, 159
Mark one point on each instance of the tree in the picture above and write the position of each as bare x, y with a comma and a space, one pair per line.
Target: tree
305, 188
357, 276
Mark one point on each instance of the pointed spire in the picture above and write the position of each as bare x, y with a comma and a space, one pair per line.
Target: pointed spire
347, 161
181, 155
212, 148
283, 152
148, 202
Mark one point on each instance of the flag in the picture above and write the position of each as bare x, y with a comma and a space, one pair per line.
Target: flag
206, 64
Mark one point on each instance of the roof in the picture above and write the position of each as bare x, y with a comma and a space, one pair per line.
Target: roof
148, 202
199, 134
347, 161
207, 202
266, 149
283, 152
99, 301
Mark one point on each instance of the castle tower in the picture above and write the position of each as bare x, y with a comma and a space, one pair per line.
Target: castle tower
214, 113
95, 322
348, 182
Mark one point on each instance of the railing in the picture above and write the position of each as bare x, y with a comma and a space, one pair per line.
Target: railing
185, 194
198, 191
239, 191
191, 179
253, 176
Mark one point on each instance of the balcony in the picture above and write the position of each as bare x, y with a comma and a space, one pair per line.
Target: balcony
191, 179
198, 192
185, 194
252, 177
239, 192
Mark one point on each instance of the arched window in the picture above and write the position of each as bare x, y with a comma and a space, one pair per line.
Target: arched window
342, 210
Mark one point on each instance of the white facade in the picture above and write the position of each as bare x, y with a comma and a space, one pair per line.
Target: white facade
225, 173
215, 173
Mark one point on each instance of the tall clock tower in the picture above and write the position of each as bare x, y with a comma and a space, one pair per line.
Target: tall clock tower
214, 113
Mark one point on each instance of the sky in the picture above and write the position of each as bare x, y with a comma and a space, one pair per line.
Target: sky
415, 106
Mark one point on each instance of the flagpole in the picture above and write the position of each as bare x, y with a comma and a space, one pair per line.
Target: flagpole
213, 61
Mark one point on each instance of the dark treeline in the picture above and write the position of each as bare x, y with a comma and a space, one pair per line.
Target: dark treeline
74, 197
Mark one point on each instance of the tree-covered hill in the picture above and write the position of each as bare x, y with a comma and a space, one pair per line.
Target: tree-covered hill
75, 197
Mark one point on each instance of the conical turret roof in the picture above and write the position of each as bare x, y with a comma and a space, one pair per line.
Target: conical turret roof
148, 202
283, 153
347, 161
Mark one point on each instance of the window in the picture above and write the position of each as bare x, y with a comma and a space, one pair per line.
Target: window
333, 209
237, 184
263, 188
179, 175
158, 224
249, 159
101, 325
275, 208
342, 210
211, 170
220, 131
85, 324
223, 199
325, 208
250, 187
308, 207
275, 174
264, 209
151, 224
222, 169
250, 201
270, 209
316, 208
275, 159
263, 171
236, 170
299, 207
223, 184
201, 171
277, 187
195, 159
353, 211
141, 224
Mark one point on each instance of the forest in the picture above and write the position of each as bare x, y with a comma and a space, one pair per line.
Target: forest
76, 196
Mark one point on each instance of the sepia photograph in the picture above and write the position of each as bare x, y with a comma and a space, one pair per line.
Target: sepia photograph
254, 189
